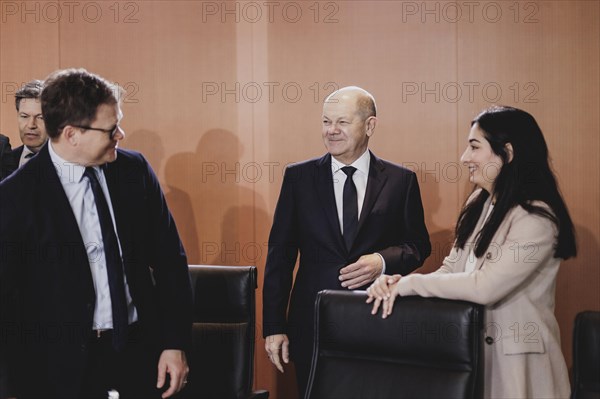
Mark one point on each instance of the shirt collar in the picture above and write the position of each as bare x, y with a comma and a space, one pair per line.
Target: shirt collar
362, 164
68, 172
26, 151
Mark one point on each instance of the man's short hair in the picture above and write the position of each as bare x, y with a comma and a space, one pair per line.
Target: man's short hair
31, 89
366, 106
72, 97
365, 102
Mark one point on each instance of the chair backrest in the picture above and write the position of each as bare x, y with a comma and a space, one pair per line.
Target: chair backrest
427, 348
222, 357
586, 356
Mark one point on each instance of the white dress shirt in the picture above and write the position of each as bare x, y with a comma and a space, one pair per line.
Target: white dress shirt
360, 181
360, 178
25, 156
81, 198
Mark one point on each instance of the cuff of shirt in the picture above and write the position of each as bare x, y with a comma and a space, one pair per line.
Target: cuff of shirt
382, 262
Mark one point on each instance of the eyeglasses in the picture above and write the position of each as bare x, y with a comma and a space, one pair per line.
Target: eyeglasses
111, 132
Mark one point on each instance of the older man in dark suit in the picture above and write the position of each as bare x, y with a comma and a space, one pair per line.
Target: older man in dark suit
350, 215
94, 286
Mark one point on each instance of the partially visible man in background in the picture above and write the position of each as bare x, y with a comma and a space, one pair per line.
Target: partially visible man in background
4, 150
31, 126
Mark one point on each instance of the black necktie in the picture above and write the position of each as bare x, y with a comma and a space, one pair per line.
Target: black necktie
114, 264
27, 157
350, 207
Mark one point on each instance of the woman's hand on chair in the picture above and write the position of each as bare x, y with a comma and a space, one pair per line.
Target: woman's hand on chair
383, 293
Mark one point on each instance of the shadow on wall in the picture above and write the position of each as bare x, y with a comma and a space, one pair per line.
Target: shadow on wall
441, 239
151, 146
211, 193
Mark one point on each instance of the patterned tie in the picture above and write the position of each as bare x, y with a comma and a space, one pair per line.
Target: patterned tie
114, 264
350, 207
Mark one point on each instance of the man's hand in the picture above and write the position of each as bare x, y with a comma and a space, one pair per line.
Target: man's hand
275, 344
366, 269
174, 362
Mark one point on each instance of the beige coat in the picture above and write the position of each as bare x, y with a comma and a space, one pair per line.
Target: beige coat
515, 280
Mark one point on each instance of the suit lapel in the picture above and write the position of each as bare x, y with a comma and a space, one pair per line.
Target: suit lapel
117, 188
375, 183
324, 187
482, 219
49, 186
60, 222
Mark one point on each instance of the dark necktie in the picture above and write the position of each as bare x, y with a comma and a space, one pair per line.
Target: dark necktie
350, 207
27, 157
114, 264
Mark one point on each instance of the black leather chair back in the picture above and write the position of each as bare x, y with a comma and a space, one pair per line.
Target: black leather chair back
427, 348
586, 356
222, 357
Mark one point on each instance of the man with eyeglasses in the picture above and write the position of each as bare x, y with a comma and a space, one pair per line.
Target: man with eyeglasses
31, 126
95, 292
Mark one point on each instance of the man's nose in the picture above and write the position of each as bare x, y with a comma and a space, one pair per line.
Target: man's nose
119, 134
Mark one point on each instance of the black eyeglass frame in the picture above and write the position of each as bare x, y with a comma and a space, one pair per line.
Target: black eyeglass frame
111, 132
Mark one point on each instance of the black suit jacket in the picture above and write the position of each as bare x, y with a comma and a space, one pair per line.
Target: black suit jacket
46, 287
306, 221
11, 161
4, 155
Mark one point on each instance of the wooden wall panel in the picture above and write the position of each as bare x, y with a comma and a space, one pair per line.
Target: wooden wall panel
222, 95
28, 50
166, 58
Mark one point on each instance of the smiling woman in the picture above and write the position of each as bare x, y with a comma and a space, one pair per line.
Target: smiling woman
484, 165
511, 236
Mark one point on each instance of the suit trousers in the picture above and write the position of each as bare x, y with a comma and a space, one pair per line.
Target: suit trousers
131, 372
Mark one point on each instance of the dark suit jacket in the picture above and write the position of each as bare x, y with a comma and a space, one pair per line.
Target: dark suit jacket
306, 221
4, 154
46, 288
10, 163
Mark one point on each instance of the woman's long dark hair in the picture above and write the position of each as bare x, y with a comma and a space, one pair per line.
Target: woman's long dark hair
526, 178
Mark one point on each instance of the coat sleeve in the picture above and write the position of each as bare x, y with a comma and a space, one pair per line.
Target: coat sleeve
414, 246
528, 246
170, 267
281, 259
10, 252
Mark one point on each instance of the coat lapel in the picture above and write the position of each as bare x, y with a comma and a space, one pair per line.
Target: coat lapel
480, 223
115, 180
49, 186
59, 224
375, 183
324, 187
464, 254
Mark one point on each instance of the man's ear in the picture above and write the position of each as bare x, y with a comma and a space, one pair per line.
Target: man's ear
370, 123
509, 151
70, 134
